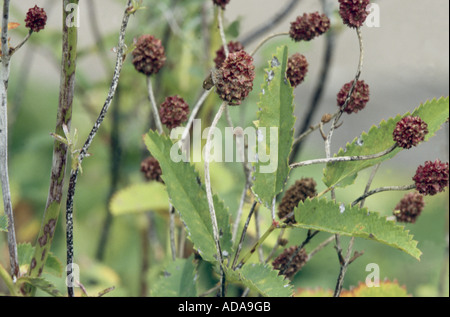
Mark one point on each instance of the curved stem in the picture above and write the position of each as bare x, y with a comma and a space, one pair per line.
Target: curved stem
344, 158
260, 44
383, 189
151, 96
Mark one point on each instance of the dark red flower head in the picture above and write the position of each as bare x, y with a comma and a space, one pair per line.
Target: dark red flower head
296, 69
36, 19
302, 189
309, 26
297, 263
409, 208
148, 56
358, 99
221, 3
431, 178
410, 131
173, 111
220, 54
234, 79
151, 169
354, 12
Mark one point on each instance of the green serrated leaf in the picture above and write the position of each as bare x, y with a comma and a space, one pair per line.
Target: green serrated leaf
140, 198
324, 215
276, 114
189, 198
179, 280
25, 253
40, 283
262, 279
378, 139
3, 223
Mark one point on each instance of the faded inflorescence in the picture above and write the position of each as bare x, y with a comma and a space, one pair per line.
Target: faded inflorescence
410, 131
354, 12
173, 111
409, 208
297, 69
297, 262
36, 19
302, 189
148, 56
309, 26
431, 178
221, 3
358, 99
220, 54
151, 169
234, 79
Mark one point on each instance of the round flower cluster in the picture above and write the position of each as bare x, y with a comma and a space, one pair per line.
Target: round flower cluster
297, 69
36, 19
409, 208
431, 178
302, 189
410, 131
234, 79
354, 12
151, 169
297, 262
309, 26
173, 111
221, 3
148, 56
358, 99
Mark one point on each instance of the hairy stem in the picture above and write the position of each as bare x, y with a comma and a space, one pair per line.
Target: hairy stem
6, 191
60, 150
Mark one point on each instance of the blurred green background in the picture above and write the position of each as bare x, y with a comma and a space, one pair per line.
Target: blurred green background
137, 249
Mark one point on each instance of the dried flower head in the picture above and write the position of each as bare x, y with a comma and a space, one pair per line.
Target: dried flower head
409, 208
354, 12
36, 19
302, 189
358, 99
309, 26
431, 178
173, 111
297, 263
148, 56
221, 3
297, 69
151, 169
221, 56
410, 131
234, 79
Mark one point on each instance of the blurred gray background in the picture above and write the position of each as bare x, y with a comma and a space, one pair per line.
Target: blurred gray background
406, 61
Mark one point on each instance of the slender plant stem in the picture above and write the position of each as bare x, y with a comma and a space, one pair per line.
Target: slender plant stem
6, 191
343, 270
320, 247
344, 158
275, 247
222, 32
268, 38
151, 96
88, 142
172, 232
383, 189
60, 150
18, 46
244, 232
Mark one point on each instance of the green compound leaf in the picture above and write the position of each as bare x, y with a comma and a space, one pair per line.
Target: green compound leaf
40, 283
179, 280
3, 223
262, 279
275, 119
434, 113
189, 198
25, 252
328, 216
139, 198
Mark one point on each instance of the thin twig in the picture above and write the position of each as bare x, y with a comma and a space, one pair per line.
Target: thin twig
6, 191
244, 232
343, 270
320, 247
383, 189
18, 46
369, 182
151, 97
222, 32
344, 158
90, 138
260, 44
